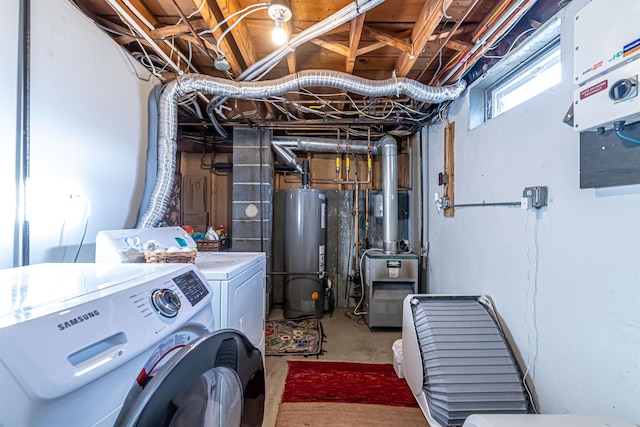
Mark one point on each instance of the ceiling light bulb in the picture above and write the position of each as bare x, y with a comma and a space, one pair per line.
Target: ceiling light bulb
279, 34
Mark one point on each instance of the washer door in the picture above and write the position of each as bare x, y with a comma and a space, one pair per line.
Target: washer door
216, 380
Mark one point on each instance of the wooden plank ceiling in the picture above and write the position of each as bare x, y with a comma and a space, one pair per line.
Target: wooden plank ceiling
432, 41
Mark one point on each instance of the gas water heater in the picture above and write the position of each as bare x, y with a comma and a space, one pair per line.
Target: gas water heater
304, 252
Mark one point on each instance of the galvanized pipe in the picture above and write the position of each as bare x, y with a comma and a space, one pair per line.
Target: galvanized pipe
387, 145
286, 157
323, 145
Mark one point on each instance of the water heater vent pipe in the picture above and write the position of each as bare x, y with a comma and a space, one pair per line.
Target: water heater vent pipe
388, 148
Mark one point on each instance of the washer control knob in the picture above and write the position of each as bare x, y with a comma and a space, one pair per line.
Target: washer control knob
166, 302
623, 89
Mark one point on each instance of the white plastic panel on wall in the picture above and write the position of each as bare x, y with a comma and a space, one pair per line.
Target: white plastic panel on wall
88, 134
565, 279
606, 35
593, 106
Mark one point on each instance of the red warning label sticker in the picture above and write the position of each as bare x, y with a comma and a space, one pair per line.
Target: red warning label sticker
594, 89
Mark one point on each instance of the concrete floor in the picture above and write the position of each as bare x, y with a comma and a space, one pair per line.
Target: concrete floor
346, 339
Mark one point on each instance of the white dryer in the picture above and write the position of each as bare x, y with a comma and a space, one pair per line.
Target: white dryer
238, 279
77, 339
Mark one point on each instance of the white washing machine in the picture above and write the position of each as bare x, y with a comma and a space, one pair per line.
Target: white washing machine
90, 345
237, 278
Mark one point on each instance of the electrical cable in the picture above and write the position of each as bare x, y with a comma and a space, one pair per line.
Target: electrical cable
444, 13
232, 26
133, 36
87, 215
84, 227
513, 44
126, 54
367, 115
626, 137
221, 23
532, 361
487, 301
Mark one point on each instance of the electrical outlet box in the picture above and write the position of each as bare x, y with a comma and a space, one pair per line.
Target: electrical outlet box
536, 195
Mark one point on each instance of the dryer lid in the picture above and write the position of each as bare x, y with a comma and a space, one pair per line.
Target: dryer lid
227, 265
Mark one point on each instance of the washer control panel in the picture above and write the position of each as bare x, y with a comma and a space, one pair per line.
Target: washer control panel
192, 287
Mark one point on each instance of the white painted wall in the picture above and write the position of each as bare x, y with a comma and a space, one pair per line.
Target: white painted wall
9, 19
566, 280
88, 133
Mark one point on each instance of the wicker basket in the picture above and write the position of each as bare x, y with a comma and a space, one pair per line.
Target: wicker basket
171, 257
213, 245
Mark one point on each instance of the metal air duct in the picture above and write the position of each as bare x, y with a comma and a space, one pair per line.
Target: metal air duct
323, 145
387, 146
187, 83
286, 158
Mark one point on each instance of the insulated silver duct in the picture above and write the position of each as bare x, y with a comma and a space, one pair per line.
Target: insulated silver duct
260, 90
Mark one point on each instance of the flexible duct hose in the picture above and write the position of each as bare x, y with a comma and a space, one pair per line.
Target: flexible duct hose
168, 126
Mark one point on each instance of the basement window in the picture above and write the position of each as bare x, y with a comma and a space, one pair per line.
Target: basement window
534, 76
528, 70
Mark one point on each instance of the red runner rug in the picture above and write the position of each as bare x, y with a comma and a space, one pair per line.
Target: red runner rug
346, 382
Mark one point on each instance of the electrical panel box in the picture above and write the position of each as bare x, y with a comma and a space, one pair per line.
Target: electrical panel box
606, 64
194, 201
535, 197
608, 99
606, 35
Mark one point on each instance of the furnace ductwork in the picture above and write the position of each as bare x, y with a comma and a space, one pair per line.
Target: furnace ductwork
187, 83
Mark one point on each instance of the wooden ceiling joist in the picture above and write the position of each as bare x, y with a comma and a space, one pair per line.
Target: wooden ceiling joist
174, 30
332, 46
198, 40
209, 16
388, 40
141, 11
240, 32
428, 20
459, 45
162, 49
379, 45
355, 32
495, 36
448, 42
